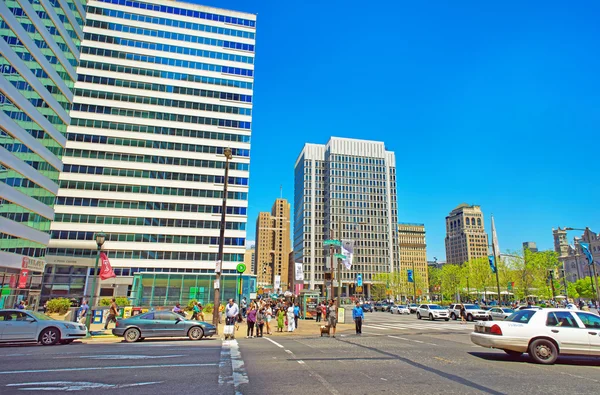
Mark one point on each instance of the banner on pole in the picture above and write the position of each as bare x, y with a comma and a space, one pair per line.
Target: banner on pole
492, 263
585, 247
299, 271
410, 275
348, 252
106, 270
359, 280
277, 283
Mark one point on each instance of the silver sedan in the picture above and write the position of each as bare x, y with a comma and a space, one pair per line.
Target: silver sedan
29, 326
500, 313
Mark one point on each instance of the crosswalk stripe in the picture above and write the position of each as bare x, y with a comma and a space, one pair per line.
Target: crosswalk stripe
376, 327
421, 326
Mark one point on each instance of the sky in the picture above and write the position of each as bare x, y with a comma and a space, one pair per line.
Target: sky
488, 103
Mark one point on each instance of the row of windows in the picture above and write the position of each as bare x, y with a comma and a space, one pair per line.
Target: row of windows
170, 22
184, 12
146, 221
164, 88
211, 164
170, 255
155, 101
153, 174
101, 38
129, 127
135, 205
149, 189
206, 149
156, 73
161, 116
107, 53
148, 238
170, 35
27, 251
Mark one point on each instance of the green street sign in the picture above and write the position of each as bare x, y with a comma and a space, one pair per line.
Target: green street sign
332, 243
340, 256
241, 268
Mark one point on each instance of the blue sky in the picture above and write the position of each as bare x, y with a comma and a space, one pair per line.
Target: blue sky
489, 103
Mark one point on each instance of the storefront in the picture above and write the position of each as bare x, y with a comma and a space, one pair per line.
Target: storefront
166, 289
22, 284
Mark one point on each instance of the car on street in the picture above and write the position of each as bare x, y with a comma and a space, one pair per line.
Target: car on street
161, 324
367, 307
542, 333
524, 306
433, 312
413, 307
30, 326
499, 313
473, 312
399, 309
381, 306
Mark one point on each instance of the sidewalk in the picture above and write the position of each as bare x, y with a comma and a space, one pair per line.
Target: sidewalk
306, 328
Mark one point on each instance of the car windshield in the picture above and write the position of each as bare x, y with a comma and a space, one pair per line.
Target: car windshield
401, 306
435, 307
471, 307
508, 310
522, 316
40, 316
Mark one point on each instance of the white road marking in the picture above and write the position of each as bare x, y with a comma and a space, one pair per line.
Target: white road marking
239, 372
301, 362
288, 351
376, 327
418, 341
129, 356
399, 338
411, 340
181, 365
73, 385
274, 342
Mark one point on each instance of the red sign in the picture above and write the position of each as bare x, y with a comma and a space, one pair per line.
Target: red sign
106, 270
13, 281
23, 278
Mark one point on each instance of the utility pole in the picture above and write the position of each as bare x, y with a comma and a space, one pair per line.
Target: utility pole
414, 283
496, 266
551, 276
219, 265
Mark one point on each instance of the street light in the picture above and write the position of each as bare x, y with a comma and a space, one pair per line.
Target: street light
217, 285
100, 239
592, 264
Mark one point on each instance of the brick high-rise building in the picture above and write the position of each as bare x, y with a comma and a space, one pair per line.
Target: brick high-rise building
413, 252
273, 245
465, 234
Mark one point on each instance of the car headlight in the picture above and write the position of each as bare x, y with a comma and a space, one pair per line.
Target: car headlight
69, 326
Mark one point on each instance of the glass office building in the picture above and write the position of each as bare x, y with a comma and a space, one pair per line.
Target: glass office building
162, 89
39, 54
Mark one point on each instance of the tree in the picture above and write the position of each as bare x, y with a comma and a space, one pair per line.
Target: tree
435, 279
451, 279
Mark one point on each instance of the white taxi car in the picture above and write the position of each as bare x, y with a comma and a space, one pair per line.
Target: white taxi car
542, 333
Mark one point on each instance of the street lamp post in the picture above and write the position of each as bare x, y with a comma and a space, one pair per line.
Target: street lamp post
100, 239
218, 266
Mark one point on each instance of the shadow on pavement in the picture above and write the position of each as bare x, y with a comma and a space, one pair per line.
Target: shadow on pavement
562, 360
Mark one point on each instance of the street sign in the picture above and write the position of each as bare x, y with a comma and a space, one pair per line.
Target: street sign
241, 268
340, 256
337, 243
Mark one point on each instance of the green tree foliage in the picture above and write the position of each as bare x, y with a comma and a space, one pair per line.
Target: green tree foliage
451, 278
581, 288
120, 301
58, 306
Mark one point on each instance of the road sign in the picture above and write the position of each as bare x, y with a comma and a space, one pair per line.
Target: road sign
241, 268
340, 256
337, 243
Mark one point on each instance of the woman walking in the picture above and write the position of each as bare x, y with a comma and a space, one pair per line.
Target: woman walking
268, 316
260, 321
318, 312
463, 314
290, 318
280, 319
250, 319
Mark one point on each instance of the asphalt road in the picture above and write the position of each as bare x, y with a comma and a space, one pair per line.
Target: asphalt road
395, 354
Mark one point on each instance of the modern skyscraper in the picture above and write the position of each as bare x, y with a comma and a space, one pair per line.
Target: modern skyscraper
163, 87
465, 235
273, 245
39, 53
348, 184
413, 253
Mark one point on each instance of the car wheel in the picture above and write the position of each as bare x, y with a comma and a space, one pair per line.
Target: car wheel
430, 317
446, 319
469, 318
195, 333
67, 341
513, 353
490, 318
49, 336
418, 315
543, 351
453, 316
132, 335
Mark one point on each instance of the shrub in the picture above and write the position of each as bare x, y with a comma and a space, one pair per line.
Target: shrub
208, 308
58, 306
190, 305
120, 301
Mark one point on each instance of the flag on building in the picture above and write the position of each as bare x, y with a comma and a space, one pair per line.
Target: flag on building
106, 270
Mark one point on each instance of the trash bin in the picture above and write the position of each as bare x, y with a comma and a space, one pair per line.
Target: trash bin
97, 317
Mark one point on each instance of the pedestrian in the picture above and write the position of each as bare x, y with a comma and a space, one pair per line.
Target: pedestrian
221, 311
178, 310
296, 315
280, 319
323, 308
195, 311
231, 312
260, 322
251, 320
290, 318
244, 306
318, 312
20, 305
463, 313
268, 317
113, 311
82, 312
332, 316
358, 315
45, 307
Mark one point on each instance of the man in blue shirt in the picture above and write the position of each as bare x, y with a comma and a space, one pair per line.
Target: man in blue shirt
296, 315
358, 315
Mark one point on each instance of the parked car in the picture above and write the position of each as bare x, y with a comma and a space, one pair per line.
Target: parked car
413, 307
381, 306
399, 309
367, 307
473, 312
499, 313
161, 324
31, 326
524, 306
433, 312
542, 333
